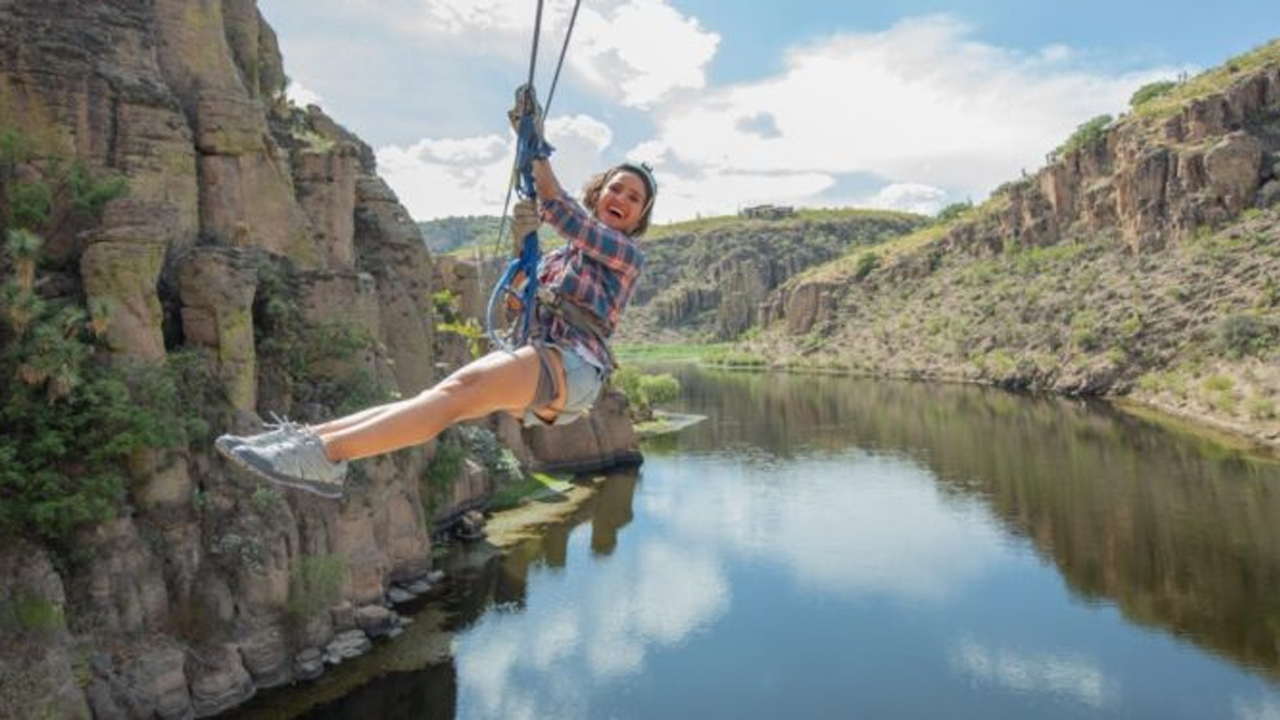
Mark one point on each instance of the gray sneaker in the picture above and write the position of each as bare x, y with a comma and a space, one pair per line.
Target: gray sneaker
296, 461
281, 429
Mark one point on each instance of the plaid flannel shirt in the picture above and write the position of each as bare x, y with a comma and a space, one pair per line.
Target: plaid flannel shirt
596, 270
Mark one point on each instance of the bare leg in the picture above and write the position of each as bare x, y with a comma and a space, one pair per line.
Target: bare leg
355, 418
496, 382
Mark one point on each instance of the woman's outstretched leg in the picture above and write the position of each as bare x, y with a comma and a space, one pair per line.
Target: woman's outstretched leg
501, 381
315, 459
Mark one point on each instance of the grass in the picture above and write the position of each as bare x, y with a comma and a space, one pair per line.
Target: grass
888, 252
676, 352
536, 486
700, 225
1209, 82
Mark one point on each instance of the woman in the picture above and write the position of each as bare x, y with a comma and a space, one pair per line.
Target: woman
554, 379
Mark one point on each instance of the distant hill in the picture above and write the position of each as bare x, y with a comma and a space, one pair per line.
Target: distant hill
705, 279
446, 235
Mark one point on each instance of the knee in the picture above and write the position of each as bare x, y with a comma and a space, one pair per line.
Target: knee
457, 386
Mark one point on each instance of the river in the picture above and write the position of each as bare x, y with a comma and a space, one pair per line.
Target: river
827, 547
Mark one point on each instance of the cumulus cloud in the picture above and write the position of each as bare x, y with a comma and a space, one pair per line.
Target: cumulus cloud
302, 96
909, 197
922, 104
469, 176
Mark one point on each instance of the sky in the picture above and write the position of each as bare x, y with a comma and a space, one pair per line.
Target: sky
909, 105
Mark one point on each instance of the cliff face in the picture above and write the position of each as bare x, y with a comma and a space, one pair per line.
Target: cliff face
1142, 263
710, 283
257, 237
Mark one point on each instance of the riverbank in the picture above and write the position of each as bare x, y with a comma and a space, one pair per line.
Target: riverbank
1256, 435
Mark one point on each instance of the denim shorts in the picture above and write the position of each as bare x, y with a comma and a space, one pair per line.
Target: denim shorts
583, 382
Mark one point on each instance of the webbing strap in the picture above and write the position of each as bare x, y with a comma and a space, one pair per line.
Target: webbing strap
530, 146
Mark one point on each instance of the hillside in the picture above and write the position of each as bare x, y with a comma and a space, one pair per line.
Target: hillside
1142, 262
705, 279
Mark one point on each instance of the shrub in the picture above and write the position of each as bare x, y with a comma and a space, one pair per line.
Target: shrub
1151, 91
867, 262
953, 211
1245, 334
643, 391
315, 585
1086, 134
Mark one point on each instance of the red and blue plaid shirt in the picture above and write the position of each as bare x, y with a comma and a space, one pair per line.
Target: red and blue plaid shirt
596, 270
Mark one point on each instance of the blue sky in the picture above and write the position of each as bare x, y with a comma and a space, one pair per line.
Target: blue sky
909, 105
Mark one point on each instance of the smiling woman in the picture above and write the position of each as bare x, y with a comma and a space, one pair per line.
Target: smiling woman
553, 379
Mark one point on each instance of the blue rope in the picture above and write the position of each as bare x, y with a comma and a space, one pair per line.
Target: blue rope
529, 146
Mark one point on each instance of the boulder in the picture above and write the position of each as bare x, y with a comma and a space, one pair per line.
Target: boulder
120, 280
219, 681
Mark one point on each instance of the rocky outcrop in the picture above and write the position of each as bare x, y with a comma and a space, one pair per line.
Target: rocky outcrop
601, 439
712, 283
257, 249
1151, 182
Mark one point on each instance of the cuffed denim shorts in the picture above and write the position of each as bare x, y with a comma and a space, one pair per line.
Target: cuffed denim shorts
583, 382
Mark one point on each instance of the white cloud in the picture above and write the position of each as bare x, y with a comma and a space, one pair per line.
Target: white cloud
469, 176
909, 197
642, 51
301, 95
919, 104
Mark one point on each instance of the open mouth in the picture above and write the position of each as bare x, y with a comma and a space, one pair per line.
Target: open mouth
615, 212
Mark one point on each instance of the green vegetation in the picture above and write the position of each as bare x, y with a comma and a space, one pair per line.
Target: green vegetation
450, 320
802, 215
315, 585
644, 391
30, 614
1086, 134
673, 352
75, 423
1208, 82
1150, 92
534, 487
953, 211
322, 361
1246, 333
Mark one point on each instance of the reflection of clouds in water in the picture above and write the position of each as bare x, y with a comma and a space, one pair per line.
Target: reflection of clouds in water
529, 665
669, 593
851, 524
1033, 672
1266, 708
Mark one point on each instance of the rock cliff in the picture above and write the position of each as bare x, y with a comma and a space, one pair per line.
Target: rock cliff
709, 283
255, 241
1140, 262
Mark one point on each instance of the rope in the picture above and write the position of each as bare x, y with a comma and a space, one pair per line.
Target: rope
529, 146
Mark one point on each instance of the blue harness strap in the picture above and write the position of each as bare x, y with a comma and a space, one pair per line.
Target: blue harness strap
529, 146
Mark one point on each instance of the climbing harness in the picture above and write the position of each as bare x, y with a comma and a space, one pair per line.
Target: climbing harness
530, 146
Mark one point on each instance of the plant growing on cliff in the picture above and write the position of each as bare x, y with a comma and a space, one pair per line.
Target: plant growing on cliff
1086, 134
1151, 91
74, 423
315, 585
320, 360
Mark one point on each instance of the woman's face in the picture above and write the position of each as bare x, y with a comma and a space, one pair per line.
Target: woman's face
622, 200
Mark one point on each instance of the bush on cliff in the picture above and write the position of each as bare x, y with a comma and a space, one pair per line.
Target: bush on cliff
74, 424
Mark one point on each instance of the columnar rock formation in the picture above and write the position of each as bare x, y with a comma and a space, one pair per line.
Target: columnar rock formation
242, 212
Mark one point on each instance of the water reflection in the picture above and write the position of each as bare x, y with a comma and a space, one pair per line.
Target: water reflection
573, 630
1182, 535
1022, 671
909, 550
850, 523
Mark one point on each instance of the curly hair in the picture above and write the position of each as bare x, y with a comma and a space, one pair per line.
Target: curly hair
591, 193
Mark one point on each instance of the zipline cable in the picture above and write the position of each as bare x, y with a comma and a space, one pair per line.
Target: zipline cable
529, 145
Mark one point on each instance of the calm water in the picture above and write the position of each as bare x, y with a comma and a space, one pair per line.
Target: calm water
828, 547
